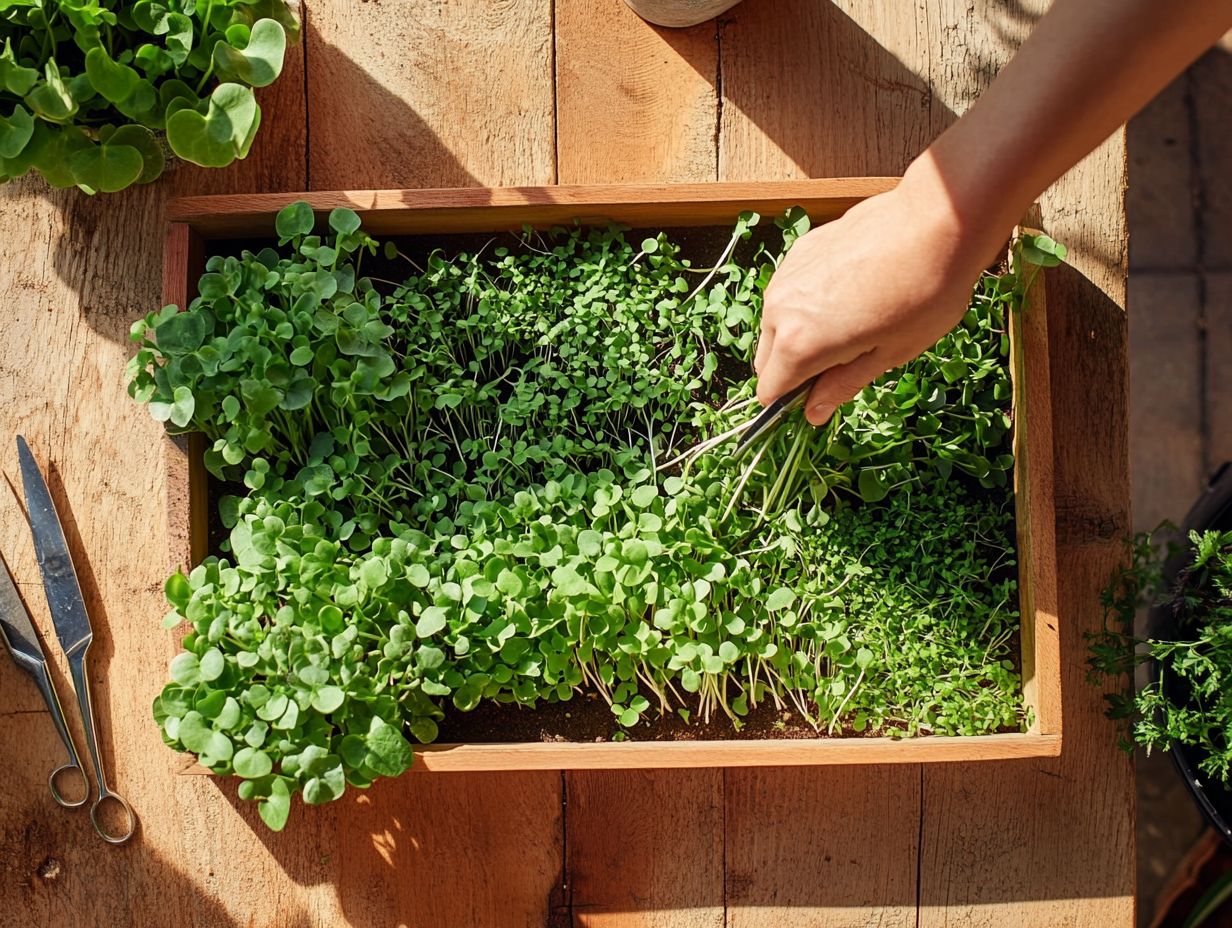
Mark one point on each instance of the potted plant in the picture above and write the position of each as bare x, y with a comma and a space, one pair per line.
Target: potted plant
1185, 706
91, 93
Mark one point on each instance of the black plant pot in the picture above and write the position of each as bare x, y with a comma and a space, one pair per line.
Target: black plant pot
1212, 510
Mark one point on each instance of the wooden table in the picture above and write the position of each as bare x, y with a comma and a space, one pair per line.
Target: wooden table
391, 93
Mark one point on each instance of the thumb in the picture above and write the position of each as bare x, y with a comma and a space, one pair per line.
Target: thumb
838, 384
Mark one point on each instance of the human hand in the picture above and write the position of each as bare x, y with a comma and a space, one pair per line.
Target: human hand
866, 293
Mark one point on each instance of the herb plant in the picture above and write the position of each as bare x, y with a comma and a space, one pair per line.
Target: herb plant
1189, 700
90, 88
498, 478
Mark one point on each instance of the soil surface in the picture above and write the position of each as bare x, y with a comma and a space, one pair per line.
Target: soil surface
587, 717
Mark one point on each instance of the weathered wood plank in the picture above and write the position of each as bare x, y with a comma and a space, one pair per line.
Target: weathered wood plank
407, 93
451, 850
645, 849
652, 89
825, 848
1166, 389
1219, 367
809, 91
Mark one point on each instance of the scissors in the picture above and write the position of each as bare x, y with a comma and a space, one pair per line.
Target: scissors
772, 415
72, 624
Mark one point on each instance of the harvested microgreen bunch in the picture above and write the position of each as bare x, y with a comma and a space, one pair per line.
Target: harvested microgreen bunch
497, 478
1189, 698
89, 89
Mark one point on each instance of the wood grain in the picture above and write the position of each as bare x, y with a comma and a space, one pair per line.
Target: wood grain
486, 209
770, 752
808, 92
645, 849
825, 848
1034, 488
652, 88
410, 93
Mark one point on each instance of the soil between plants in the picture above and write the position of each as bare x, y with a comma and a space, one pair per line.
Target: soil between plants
588, 718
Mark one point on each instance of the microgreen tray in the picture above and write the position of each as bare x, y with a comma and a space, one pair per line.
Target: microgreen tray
202, 226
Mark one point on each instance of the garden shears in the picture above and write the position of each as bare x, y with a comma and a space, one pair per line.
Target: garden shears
772, 415
72, 625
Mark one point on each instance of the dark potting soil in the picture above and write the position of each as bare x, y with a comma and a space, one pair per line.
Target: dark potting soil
587, 717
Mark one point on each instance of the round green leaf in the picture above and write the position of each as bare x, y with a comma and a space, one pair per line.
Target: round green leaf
250, 763
185, 669
15, 78
212, 664
51, 99
143, 141
781, 598
113, 81
177, 589
257, 64
222, 133
275, 808
16, 130
344, 221
294, 219
106, 168
327, 699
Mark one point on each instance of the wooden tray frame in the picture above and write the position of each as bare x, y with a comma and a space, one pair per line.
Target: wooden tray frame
195, 222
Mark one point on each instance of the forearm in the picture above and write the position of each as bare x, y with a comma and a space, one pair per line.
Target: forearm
1086, 69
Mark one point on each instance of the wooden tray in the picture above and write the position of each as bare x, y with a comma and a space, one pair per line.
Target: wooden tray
198, 222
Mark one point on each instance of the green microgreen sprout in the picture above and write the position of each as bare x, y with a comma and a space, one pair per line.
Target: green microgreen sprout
92, 91
504, 474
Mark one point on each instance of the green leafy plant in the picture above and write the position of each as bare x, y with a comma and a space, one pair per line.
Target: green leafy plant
90, 89
500, 477
1189, 701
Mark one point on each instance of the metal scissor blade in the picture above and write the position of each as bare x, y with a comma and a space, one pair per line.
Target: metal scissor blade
68, 608
15, 624
770, 416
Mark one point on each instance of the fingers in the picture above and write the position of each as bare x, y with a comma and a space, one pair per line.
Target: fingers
765, 347
790, 361
838, 384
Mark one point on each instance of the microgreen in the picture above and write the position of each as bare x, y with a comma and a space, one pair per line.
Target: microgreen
1189, 698
89, 89
498, 479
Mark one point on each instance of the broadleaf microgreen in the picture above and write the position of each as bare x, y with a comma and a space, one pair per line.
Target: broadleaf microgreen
89, 91
500, 479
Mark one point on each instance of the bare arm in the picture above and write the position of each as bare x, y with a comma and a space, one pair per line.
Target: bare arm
870, 291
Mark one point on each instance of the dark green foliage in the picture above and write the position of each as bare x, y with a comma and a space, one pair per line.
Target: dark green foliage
497, 480
1190, 700
89, 89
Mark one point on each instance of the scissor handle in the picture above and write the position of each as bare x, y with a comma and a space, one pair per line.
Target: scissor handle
55, 789
81, 680
113, 837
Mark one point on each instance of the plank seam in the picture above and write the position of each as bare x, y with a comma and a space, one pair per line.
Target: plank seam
566, 889
919, 853
555, 97
304, 40
723, 833
718, 101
